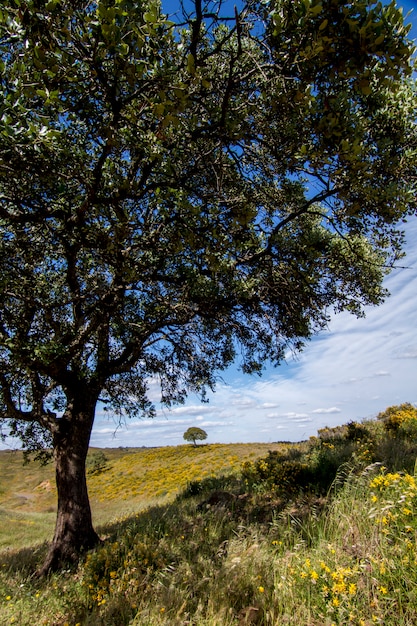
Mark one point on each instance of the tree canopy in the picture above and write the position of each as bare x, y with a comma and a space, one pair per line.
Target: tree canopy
180, 192
195, 434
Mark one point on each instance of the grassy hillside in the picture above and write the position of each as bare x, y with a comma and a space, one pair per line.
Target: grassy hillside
319, 534
130, 480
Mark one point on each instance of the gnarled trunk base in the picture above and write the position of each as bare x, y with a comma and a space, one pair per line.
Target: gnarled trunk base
74, 532
66, 548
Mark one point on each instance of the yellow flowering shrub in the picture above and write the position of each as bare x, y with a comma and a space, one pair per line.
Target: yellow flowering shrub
400, 419
394, 496
120, 567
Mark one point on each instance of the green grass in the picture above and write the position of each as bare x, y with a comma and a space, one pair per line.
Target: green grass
265, 539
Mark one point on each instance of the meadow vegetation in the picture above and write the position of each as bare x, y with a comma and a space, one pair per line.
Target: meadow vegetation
318, 533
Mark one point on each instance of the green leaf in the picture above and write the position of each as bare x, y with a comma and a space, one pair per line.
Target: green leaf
315, 10
379, 40
365, 87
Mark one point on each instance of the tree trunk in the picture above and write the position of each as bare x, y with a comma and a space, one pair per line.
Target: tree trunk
74, 532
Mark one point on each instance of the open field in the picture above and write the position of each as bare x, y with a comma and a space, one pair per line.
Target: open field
322, 533
132, 480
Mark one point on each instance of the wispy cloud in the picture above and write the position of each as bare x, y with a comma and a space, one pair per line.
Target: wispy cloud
191, 410
408, 354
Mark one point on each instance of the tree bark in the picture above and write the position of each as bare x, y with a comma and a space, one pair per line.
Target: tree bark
74, 532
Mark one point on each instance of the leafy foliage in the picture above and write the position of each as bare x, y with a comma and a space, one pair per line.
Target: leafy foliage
156, 198
330, 457
97, 462
195, 434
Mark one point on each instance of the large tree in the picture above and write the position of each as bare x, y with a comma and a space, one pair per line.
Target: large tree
177, 193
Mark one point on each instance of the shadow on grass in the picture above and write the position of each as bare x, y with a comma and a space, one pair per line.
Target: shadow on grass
161, 519
24, 561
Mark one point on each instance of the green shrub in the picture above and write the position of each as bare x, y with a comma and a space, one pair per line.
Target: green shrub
126, 565
206, 485
356, 431
278, 474
97, 463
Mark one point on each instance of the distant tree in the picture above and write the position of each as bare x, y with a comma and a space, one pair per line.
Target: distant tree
179, 193
195, 434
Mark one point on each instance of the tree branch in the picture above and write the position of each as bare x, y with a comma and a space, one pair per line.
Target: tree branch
12, 412
196, 27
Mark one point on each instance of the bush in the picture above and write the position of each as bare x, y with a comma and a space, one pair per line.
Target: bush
209, 484
97, 463
400, 420
356, 431
123, 566
279, 474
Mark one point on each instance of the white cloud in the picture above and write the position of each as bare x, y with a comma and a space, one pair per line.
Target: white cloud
191, 410
294, 416
243, 402
331, 410
408, 354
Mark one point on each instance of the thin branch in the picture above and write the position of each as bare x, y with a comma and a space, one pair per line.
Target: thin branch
289, 218
196, 28
12, 412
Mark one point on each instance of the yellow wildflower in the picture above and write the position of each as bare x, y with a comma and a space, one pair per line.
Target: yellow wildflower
352, 589
339, 587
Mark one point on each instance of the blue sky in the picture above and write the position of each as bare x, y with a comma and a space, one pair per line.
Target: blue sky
352, 371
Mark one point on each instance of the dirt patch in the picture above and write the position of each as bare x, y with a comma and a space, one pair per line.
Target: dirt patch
45, 485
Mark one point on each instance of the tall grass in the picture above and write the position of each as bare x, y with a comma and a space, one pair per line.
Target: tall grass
247, 549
